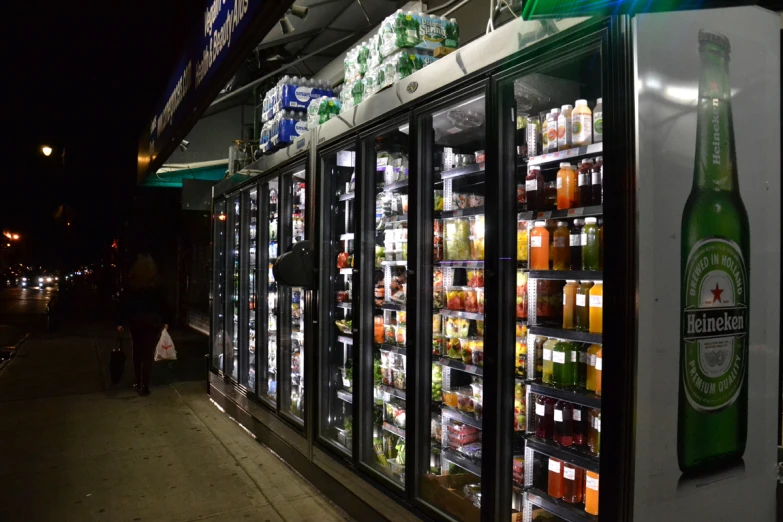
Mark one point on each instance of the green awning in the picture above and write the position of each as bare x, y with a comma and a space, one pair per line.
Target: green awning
171, 175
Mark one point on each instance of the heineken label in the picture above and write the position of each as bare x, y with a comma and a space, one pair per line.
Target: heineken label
714, 324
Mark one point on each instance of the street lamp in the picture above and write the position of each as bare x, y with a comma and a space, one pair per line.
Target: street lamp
47, 150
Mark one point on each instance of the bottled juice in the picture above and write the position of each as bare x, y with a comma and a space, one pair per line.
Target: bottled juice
551, 129
591, 493
599, 364
597, 421
564, 128
597, 182
590, 245
555, 483
597, 307
579, 426
548, 371
538, 346
573, 483
563, 424
522, 241
561, 255
575, 244
550, 196
544, 419
378, 329
581, 124
598, 121
566, 187
569, 304
591, 359
574, 363
584, 195
539, 247
534, 188
581, 377
562, 365
592, 434
582, 315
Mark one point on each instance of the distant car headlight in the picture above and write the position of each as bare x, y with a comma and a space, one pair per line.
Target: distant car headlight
40, 279
48, 279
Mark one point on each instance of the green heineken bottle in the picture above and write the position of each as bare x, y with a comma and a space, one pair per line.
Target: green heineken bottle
713, 397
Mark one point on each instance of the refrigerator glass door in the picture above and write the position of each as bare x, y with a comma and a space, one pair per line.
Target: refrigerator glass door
219, 285
338, 331
293, 315
384, 398
233, 327
248, 358
557, 166
271, 309
454, 149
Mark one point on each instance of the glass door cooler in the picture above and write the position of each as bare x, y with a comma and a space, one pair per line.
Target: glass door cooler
552, 150
234, 326
218, 329
384, 259
338, 188
249, 272
268, 310
453, 175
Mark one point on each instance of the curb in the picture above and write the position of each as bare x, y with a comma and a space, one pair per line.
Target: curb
14, 350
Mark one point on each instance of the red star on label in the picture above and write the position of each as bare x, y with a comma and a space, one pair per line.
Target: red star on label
716, 294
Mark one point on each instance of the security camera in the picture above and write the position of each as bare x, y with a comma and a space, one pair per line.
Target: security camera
184, 144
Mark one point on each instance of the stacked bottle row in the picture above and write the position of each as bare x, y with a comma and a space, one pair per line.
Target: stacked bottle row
569, 365
575, 247
583, 304
571, 484
568, 425
579, 185
564, 128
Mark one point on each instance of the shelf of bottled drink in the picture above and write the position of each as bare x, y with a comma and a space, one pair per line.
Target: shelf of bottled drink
577, 275
572, 455
569, 154
580, 397
566, 335
564, 510
571, 213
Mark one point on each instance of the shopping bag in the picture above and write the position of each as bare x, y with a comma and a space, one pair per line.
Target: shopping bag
165, 350
117, 362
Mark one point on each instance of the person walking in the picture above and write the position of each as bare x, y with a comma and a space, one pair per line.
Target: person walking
142, 310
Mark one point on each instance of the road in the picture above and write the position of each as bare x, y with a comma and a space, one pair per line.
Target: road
24, 307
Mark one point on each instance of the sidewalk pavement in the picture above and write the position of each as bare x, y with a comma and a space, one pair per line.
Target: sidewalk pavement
74, 449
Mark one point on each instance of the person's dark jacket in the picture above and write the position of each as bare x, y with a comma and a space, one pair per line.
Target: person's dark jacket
147, 302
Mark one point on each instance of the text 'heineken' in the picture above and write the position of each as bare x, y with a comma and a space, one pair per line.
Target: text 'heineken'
713, 397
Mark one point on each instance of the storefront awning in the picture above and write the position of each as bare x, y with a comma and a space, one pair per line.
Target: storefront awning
171, 175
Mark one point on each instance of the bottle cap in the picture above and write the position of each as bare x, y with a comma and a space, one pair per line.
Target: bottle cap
535, 167
562, 224
570, 280
591, 220
598, 282
578, 222
715, 38
553, 111
540, 223
581, 102
566, 108
565, 165
599, 101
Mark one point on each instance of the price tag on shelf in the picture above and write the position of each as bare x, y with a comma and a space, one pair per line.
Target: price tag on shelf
545, 215
573, 212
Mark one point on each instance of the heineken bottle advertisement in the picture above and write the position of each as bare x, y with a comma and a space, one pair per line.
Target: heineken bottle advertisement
708, 196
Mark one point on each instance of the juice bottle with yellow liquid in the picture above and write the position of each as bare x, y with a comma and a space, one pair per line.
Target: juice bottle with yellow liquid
569, 304
561, 254
582, 314
592, 352
597, 307
549, 365
566, 187
599, 365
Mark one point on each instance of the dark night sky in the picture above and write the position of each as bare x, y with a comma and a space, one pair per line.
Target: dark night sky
83, 76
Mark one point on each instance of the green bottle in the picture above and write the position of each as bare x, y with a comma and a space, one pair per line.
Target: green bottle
712, 425
591, 245
562, 365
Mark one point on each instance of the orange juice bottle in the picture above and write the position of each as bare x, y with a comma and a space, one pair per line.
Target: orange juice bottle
599, 364
569, 304
566, 187
597, 307
591, 493
561, 253
539, 247
591, 357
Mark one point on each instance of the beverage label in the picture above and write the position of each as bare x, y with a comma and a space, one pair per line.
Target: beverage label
552, 135
596, 301
578, 414
581, 129
582, 179
531, 185
559, 182
558, 415
591, 360
558, 357
573, 356
597, 424
575, 240
599, 365
598, 126
581, 300
596, 178
592, 483
540, 410
547, 355
554, 466
560, 242
583, 239
535, 241
714, 324
569, 473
